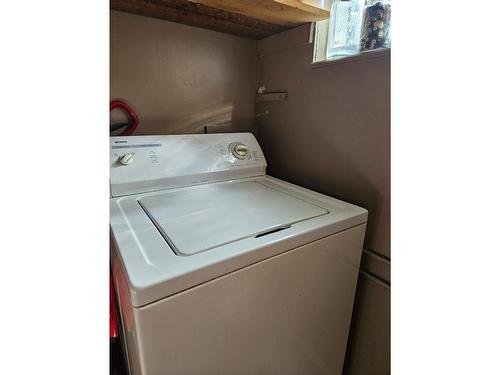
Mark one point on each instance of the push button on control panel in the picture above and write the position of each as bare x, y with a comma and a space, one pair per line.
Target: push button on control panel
239, 150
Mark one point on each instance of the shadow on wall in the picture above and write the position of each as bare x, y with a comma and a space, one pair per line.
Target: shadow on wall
195, 122
368, 351
215, 118
309, 173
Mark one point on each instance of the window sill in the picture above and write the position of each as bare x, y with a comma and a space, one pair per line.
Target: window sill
375, 54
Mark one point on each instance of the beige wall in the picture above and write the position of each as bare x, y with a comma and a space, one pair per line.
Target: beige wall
332, 135
181, 78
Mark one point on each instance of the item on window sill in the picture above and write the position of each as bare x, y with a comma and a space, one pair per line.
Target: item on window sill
344, 29
376, 26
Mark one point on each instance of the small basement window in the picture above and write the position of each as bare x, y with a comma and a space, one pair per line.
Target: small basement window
354, 27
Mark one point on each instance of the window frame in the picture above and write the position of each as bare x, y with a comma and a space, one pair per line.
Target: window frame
321, 43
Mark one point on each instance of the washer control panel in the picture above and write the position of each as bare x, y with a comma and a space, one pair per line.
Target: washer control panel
147, 163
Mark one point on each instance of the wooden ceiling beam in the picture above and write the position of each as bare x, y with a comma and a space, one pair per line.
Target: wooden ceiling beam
288, 13
199, 15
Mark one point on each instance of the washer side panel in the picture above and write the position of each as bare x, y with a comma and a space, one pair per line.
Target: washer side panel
128, 329
289, 314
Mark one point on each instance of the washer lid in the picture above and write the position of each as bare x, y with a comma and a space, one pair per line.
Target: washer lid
204, 218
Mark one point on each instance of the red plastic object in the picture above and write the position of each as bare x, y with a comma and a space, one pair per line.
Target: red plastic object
113, 320
132, 114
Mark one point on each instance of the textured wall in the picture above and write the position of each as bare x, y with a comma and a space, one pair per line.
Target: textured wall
181, 78
332, 135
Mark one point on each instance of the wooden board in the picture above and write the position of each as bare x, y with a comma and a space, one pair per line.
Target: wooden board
249, 19
287, 13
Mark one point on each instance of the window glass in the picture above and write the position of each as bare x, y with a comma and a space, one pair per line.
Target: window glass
344, 28
354, 26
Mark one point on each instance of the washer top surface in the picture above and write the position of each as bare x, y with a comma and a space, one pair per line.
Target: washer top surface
186, 209
157, 268
203, 219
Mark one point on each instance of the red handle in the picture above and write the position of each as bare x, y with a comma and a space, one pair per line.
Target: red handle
113, 319
132, 114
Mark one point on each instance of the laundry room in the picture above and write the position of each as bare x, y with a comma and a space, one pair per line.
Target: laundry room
249, 187
319, 110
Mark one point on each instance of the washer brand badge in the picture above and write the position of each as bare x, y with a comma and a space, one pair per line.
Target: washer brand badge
120, 141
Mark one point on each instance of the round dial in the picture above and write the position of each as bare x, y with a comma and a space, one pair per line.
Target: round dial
126, 159
239, 150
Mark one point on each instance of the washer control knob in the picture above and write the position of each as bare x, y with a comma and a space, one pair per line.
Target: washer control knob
239, 150
126, 159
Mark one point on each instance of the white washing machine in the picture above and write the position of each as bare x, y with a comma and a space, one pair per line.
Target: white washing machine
221, 269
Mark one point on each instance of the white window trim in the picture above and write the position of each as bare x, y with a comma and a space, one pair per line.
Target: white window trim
321, 35
367, 55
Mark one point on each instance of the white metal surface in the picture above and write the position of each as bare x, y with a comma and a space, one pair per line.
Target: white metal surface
289, 314
149, 163
217, 214
204, 283
154, 270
